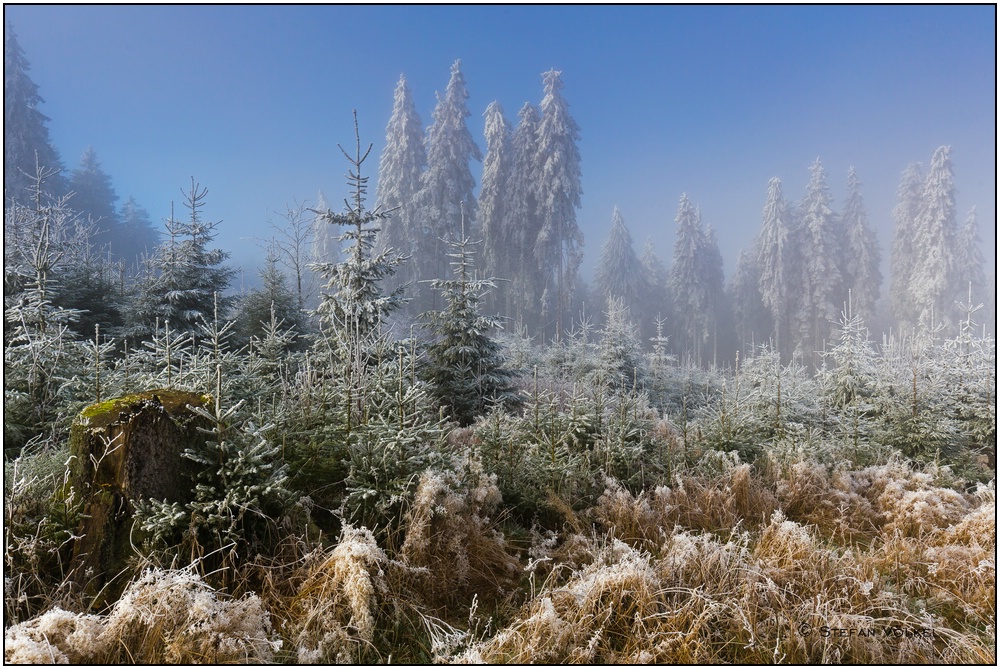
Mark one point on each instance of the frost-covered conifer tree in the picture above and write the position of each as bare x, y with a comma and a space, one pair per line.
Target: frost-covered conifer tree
354, 304
901, 261
775, 255
657, 304
26, 143
494, 204
619, 272
525, 290
933, 282
969, 257
558, 248
399, 173
465, 366
188, 276
861, 263
41, 241
687, 280
446, 185
816, 313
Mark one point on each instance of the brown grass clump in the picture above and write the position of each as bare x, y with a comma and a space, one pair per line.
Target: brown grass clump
453, 546
737, 498
333, 615
809, 494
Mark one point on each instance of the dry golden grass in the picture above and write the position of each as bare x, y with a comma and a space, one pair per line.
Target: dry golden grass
806, 564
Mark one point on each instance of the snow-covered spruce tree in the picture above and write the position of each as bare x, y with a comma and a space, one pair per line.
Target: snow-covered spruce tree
524, 294
499, 259
363, 428
186, 275
912, 400
902, 259
862, 257
848, 379
26, 143
465, 366
821, 279
621, 363
354, 304
619, 272
775, 255
558, 248
934, 283
687, 281
399, 180
969, 260
41, 241
447, 183
969, 365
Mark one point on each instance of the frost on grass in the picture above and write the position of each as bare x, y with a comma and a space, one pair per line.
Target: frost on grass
164, 617
452, 542
333, 616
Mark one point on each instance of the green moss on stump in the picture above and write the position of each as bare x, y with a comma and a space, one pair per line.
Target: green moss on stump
125, 450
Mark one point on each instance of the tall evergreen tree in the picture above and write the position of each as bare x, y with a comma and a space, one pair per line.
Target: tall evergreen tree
494, 196
816, 314
775, 255
400, 168
446, 185
619, 272
26, 143
354, 304
933, 282
969, 258
863, 257
902, 258
558, 248
525, 290
94, 197
687, 280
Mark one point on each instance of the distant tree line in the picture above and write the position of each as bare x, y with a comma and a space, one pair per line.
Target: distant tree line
807, 265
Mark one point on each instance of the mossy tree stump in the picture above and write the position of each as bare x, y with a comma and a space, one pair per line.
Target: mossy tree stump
127, 450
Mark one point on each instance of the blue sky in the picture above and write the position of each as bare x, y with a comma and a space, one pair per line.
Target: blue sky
711, 101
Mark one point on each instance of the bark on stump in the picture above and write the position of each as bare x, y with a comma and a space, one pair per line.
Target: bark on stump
126, 450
